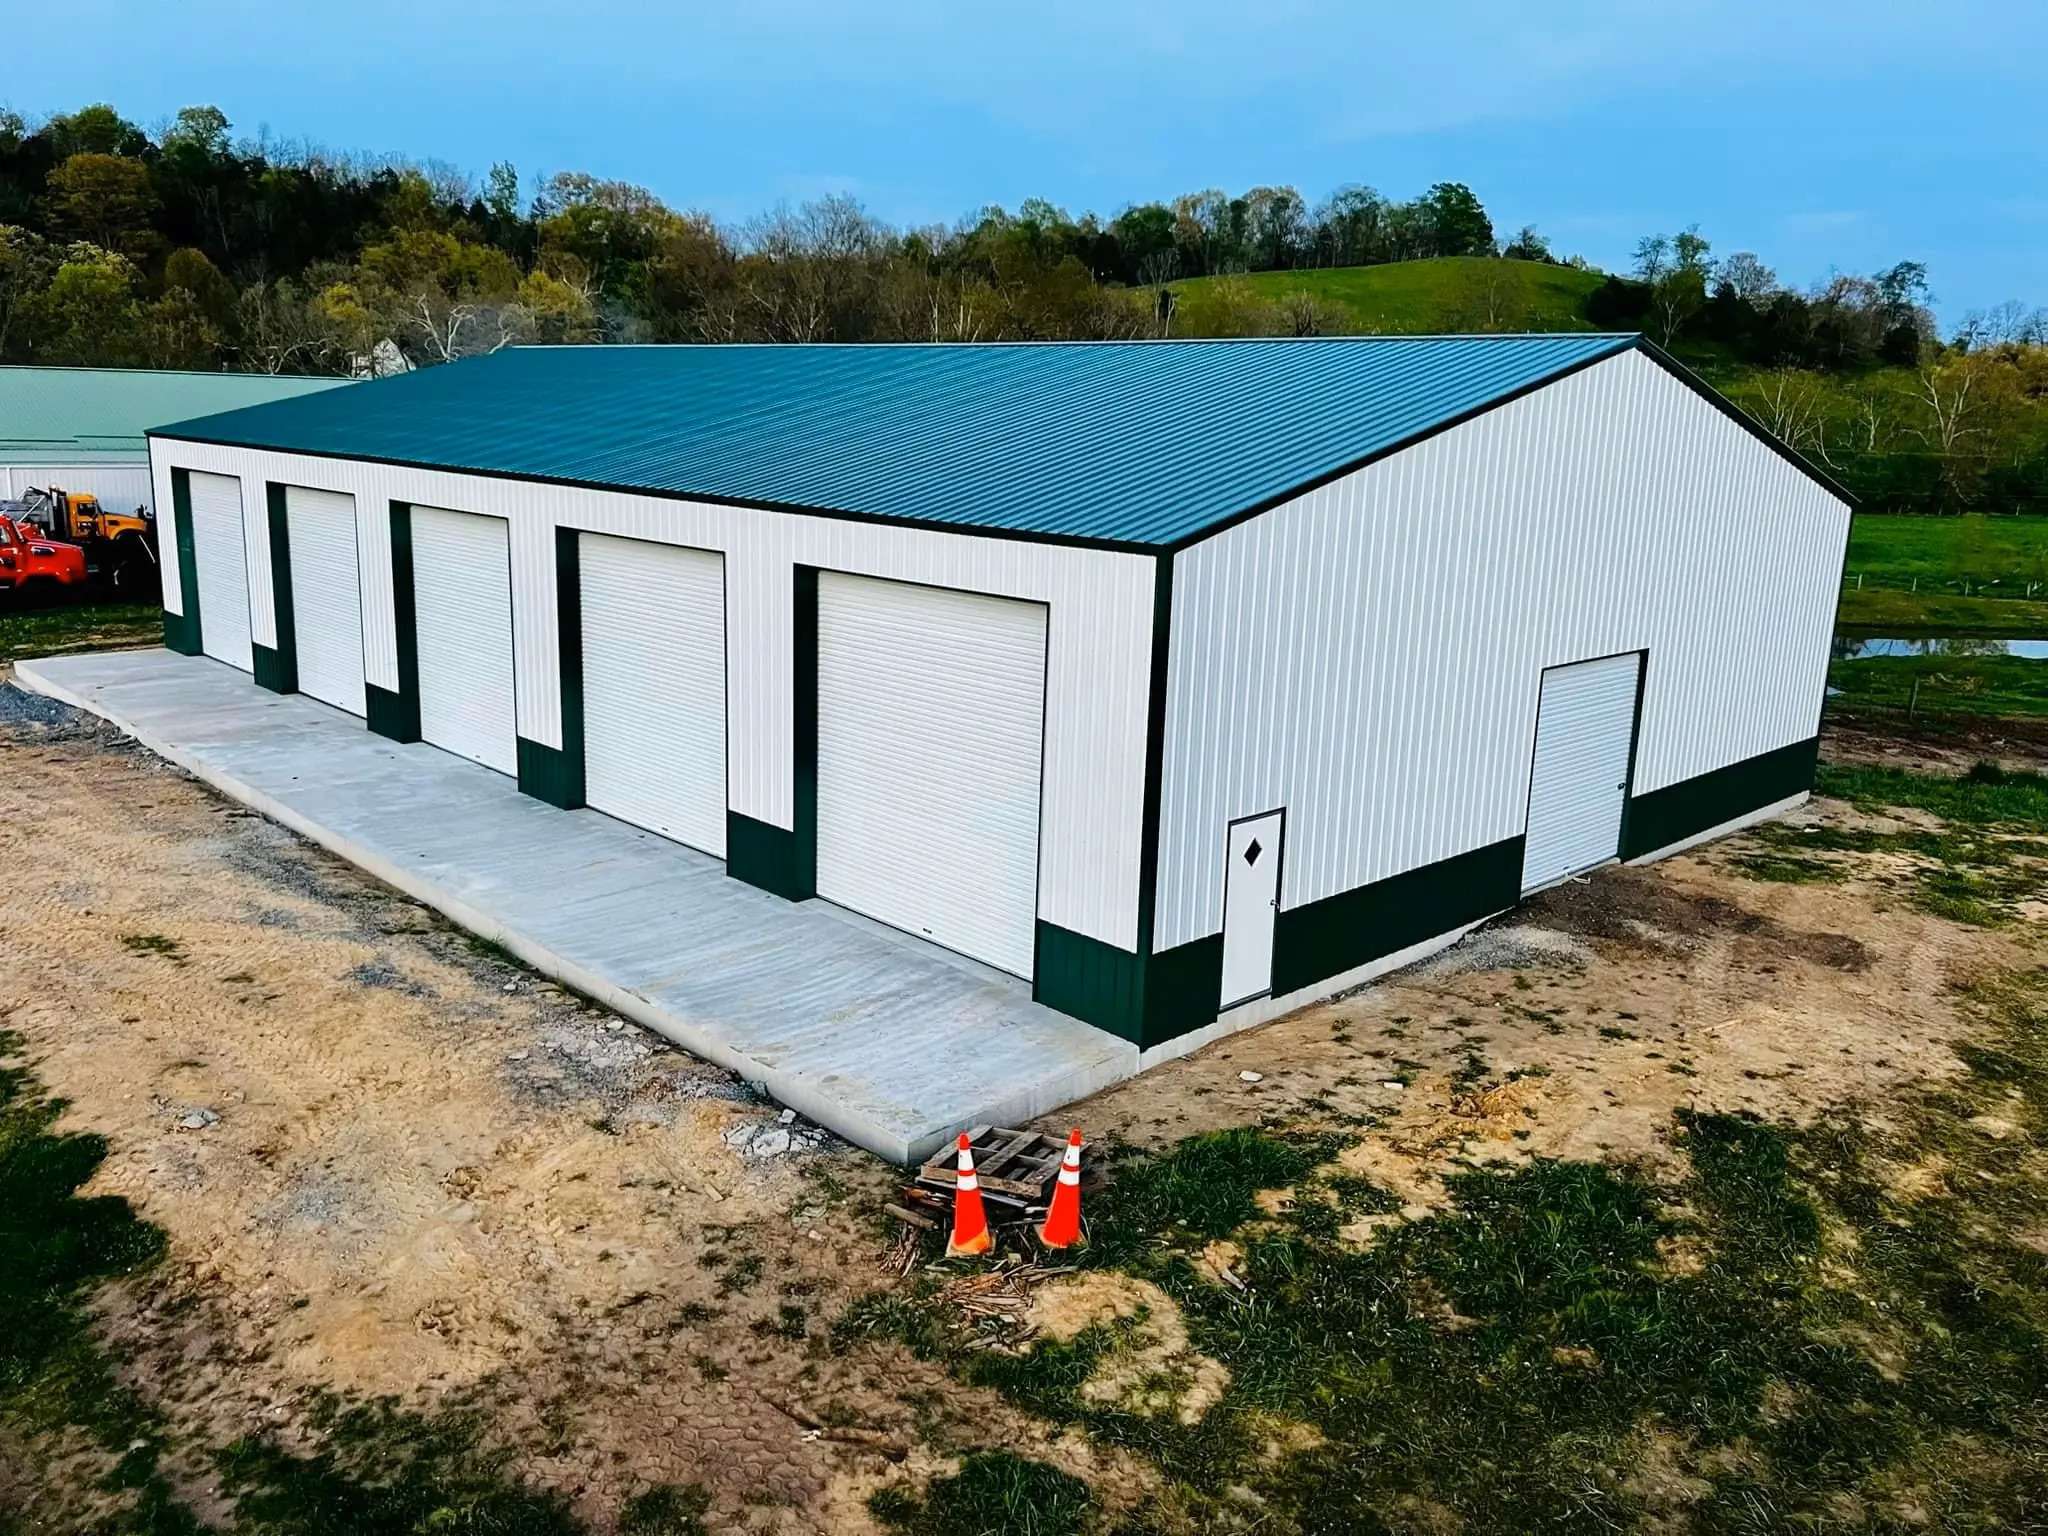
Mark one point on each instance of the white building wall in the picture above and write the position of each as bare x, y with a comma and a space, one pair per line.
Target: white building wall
1098, 657
120, 487
1368, 655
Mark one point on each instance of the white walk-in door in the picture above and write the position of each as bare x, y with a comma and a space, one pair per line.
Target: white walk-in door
462, 606
217, 548
1251, 901
654, 687
930, 711
327, 599
1585, 724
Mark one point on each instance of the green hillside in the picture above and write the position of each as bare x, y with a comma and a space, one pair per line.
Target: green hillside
1444, 294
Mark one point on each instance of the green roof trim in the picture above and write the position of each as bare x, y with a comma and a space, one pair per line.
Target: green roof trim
103, 415
1143, 444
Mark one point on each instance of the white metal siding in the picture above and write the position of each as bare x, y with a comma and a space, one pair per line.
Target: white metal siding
462, 602
1100, 616
327, 606
219, 545
1369, 654
120, 487
654, 687
931, 707
1578, 782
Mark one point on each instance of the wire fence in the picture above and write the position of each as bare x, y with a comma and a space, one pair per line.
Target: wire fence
2025, 586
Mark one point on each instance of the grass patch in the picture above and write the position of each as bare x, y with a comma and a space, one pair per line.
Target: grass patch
1975, 871
55, 1247
1205, 1189
1831, 1353
376, 1471
382, 1472
995, 1493
1440, 294
156, 944
1984, 687
1986, 796
26, 632
1900, 551
665, 1511
1885, 611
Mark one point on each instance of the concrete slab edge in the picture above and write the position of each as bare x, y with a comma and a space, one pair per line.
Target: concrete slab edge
814, 1101
1266, 1009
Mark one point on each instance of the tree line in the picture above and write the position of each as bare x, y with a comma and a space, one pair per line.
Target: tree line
184, 247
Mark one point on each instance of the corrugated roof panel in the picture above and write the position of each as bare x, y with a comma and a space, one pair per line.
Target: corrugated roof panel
1119, 442
99, 415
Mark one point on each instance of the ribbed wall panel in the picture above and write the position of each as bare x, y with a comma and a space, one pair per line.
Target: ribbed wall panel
1369, 655
327, 603
120, 487
654, 687
167, 540
222, 544
930, 737
1098, 645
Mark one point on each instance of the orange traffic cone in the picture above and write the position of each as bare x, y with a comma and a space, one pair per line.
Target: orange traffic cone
970, 1222
1062, 1228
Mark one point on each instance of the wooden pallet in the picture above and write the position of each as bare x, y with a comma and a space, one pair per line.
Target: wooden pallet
1016, 1167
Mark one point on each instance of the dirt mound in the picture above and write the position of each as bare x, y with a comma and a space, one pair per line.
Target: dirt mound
1643, 907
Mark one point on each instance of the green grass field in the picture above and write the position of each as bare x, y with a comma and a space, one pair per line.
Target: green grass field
1962, 576
1450, 293
2001, 687
76, 627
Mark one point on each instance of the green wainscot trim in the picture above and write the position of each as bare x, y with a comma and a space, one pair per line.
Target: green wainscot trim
181, 630
771, 857
277, 667
391, 714
397, 715
1699, 804
1326, 938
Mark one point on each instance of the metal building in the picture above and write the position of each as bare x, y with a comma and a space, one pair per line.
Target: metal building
1190, 681
83, 428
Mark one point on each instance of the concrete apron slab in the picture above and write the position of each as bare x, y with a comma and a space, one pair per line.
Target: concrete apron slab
891, 1043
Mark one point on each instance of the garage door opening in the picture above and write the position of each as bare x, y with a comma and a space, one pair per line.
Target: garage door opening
653, 637
1578, 785
462, 595
931, 710
219, 549
327, 604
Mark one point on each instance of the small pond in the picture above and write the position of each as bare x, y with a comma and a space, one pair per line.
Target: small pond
1862, 647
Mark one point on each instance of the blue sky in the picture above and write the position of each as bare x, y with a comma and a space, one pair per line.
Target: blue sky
1821, 134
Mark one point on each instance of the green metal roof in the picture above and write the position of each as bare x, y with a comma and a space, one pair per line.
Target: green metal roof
100, 415
1122, 443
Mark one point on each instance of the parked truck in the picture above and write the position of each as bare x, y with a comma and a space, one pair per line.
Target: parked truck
34, 566
120, 547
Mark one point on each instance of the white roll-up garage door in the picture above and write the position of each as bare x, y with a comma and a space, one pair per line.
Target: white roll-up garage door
219, 553
462, 606
654, 687
327, 600
931, 705
1585, 723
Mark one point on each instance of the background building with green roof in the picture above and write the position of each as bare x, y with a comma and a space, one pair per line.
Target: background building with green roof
82, 428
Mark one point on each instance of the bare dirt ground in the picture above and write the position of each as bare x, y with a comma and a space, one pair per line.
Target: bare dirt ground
1576, 1027
391, 1163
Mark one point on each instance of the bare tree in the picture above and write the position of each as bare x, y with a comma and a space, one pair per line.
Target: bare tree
451, 328
1792, 406
278, 332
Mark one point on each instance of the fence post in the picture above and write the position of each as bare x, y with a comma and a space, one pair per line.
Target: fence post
1913, 699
